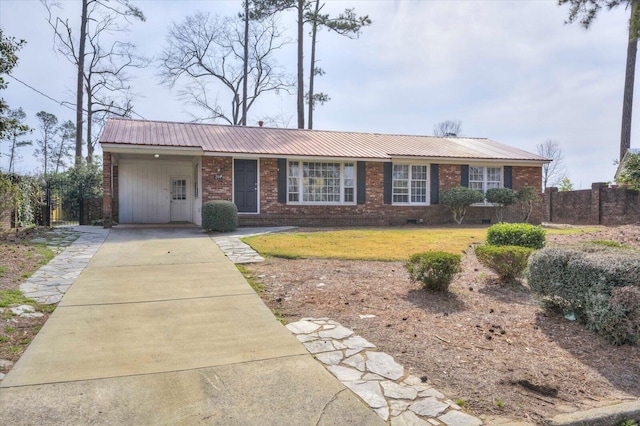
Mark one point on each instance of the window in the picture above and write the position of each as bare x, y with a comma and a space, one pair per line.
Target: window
178, 189
409, 184
196, 191
483, 178
320, 182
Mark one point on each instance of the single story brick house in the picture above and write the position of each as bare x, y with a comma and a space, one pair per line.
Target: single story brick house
162, 172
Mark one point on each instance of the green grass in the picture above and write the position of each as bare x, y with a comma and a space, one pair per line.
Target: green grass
374, 244
251, 278
14, 297
607, 243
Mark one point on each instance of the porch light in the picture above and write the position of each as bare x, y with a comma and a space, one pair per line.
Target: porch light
156, 155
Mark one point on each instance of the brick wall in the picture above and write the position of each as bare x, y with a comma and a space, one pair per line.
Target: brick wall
374, 212
217, 178
599, 205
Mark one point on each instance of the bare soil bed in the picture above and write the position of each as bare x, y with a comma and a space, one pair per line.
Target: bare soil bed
18, 260
487, 345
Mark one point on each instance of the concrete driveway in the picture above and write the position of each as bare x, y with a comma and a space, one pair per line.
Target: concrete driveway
161, 328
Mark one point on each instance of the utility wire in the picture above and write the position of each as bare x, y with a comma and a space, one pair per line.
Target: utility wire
61, 103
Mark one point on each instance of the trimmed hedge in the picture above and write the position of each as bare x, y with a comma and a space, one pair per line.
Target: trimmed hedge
516, 234
219, 216
599, 285
433, 269
509, 262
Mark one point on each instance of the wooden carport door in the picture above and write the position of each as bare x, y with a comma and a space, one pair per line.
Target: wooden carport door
245, 185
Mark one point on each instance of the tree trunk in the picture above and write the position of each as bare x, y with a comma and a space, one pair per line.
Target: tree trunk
313, 62
627, 103
245, 77
300, 64
89, 118
80, 87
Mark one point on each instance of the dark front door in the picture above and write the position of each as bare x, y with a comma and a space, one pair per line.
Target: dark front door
245, 185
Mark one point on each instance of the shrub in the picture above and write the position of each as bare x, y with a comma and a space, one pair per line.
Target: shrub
458, 199
219, 216
600, 287
501, 198
516, 234
509, 262
526, 197
433, 269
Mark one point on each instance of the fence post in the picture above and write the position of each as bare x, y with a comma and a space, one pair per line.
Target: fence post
596, 214
47, 218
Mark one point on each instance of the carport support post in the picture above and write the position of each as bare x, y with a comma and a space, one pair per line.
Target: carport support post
106, 212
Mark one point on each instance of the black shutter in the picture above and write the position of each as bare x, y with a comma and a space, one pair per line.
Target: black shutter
435, 183
361, 182
508, 177
464, 178
388, 182
282, 180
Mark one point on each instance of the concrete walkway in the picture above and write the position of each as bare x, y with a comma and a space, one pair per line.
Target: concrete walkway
160, 328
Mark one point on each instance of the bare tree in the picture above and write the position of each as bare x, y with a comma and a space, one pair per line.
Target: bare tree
16, 130
448, 128
555, 171
208, 50
105, 69
48, 130
61, 151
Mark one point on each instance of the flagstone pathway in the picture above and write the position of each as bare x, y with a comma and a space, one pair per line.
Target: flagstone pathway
393, 393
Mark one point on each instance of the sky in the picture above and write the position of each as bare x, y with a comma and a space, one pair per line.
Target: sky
509, 70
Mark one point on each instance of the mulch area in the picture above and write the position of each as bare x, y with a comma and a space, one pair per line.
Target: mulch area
18, 259
486, 344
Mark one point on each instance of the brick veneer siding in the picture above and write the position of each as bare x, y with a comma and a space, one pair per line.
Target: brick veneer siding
217, 178
599, 205
374, 211
217, 181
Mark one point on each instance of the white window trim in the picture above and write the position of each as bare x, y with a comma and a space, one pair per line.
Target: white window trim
342, 187
428, 193
485, 203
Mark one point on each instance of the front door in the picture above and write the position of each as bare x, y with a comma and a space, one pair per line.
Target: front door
245, 185
180, 200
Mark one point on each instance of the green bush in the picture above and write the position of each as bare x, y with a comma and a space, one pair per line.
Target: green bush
501, 198
458, 199
433, 269
516, 234
601, 288
219, 216
509, 262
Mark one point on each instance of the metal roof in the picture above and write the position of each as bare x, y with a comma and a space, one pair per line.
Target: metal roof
223, 139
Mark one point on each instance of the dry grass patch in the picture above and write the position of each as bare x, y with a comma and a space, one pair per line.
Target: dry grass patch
374, 244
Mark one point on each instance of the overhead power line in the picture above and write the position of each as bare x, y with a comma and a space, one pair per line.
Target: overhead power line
61, 103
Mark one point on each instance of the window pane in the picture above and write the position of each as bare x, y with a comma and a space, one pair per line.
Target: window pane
321, 182
476, 174
494, 174
400, 183
293, 181
418, 184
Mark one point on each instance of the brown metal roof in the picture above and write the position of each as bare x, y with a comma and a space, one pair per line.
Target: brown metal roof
214, 138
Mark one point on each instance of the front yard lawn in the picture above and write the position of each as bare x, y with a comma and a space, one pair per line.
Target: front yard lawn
375, 244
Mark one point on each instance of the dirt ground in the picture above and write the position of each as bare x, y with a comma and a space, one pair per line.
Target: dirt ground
18, 260
486, 345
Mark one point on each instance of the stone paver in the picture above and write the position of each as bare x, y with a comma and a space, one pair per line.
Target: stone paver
239, 252
77, 244
394, 394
